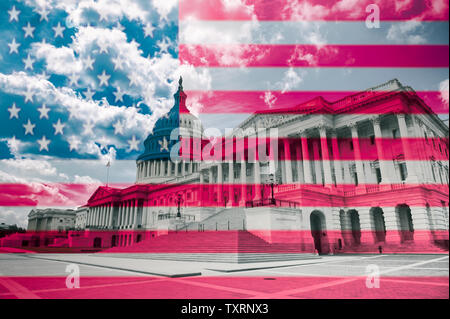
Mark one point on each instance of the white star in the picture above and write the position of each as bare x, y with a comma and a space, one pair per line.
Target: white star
148, 30
29, 30
44, 111
163, 45
134, 43
88, 63
103, 47
119, 26
119, 95
59, 30
28, 62
59, 127
103, 78
29, 96
164, 144
73, 79
118, 63
43, 143
133, 144
14, 111
13, 46
133, 79
103, 16
14, 143
118, 127
43, 13
89, 94
44, 75
73, 143
13, 14
29, 127
88, 126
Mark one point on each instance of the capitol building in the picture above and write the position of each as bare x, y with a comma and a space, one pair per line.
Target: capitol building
364, 173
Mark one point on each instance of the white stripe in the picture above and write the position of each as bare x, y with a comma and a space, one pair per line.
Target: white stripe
312, 32
316, 79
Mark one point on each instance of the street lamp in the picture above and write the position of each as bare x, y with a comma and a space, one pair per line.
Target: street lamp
272, 184
179, 203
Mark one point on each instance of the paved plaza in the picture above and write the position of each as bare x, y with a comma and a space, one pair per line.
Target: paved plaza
132, 276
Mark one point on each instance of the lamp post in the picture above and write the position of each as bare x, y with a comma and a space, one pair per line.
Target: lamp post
272, 184
178, 208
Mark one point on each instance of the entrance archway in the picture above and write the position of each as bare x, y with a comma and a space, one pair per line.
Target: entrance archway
114, 241
378, 222
319, 231
97, 242
405, 222
355, 226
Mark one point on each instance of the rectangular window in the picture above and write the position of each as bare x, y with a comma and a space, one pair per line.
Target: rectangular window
372, 139
351, 145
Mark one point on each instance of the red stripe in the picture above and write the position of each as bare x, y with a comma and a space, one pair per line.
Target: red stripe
264, 55
163, 194
250, 241
311, 10
298, 101
227, 287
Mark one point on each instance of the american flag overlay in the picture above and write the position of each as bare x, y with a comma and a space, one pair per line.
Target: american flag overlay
147, 147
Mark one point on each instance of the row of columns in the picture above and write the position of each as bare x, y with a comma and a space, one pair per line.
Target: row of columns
100, 216
157, 168
104, 216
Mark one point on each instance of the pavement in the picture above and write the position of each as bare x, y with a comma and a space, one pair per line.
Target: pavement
354, 276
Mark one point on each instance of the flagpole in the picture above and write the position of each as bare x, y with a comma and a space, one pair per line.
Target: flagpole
107, 172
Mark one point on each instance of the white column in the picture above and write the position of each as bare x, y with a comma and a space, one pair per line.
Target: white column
287, 161
230, 183
120, 217
134, 213
243, 181
410, 164
357, 154
183, 168
169, 167
337, 159
257, 180
428, 175
219, 183
317, 163
326, 160
111, 215
176, 167
161, 171
380, 151
305, 158
300, 174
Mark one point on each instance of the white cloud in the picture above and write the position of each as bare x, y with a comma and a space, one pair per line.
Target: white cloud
269, 98
14, 216
290, 80
303, 10
406, 32
443, 89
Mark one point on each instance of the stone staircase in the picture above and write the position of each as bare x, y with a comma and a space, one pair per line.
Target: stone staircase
404, 248
234, 246
225, 219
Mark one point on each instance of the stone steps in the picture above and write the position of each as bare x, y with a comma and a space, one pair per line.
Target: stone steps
222, 257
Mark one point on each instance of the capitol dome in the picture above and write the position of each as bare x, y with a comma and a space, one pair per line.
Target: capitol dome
154, 165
